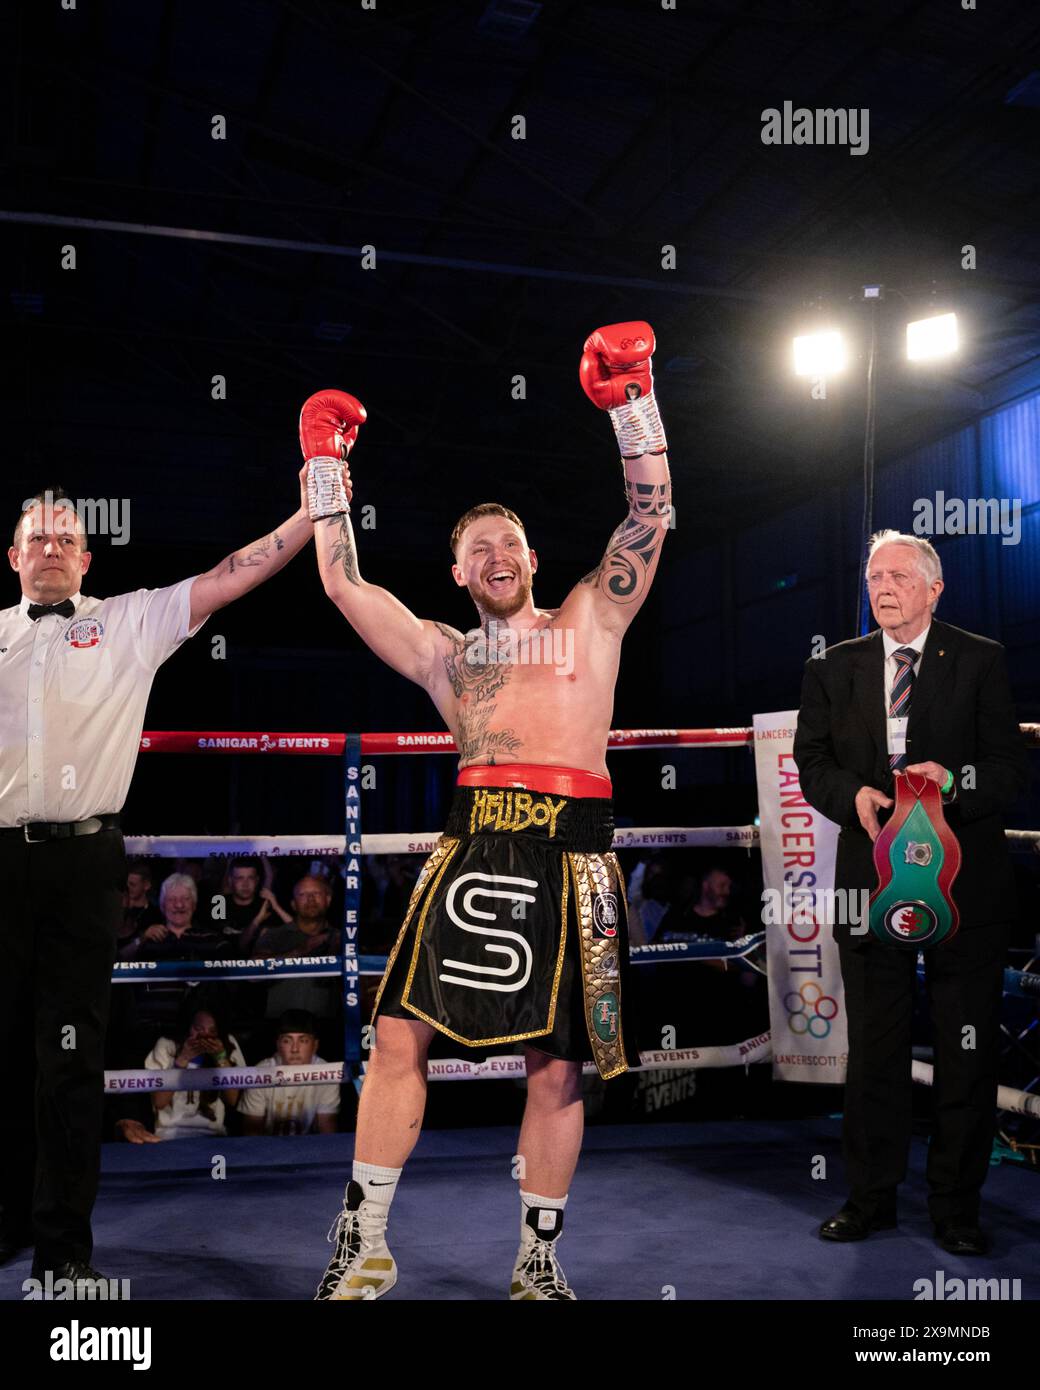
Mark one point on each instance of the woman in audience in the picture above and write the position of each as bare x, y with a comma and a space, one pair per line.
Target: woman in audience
200, 1041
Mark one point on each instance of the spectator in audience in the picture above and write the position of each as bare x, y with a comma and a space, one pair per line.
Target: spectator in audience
386, 891
140, 909
291, 1109
248, 908
134, 1131
648, 893
200, 1040
401, 872
309, 932
176, 937
310, 935
710, 915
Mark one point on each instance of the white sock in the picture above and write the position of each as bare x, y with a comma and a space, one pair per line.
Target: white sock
378, 1184
548, 1224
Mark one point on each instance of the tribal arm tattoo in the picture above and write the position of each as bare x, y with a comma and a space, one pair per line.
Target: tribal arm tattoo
625, 573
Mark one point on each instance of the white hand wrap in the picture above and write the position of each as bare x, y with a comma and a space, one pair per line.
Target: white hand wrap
638, 427
326, 495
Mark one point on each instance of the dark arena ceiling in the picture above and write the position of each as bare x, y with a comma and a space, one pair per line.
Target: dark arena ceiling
392, 128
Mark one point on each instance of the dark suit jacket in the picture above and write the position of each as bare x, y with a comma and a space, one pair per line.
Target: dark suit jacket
961, 715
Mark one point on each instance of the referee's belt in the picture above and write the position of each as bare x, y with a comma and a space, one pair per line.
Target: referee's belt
35, 832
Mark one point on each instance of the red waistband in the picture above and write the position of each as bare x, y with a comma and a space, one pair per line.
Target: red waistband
538, 777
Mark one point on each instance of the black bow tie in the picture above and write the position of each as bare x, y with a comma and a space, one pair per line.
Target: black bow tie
64, 609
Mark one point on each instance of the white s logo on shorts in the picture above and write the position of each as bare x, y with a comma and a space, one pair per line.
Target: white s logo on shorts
517, 971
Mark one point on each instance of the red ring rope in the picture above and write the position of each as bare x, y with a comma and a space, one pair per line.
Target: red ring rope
332, 745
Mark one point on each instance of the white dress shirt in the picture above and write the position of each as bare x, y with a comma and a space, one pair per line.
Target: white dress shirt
892, 668
73, 693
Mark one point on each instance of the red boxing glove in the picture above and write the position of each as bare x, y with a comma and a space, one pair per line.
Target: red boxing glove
329, 424
616, 375
615, 367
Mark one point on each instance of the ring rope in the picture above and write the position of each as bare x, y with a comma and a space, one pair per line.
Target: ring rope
333, 745
336, 745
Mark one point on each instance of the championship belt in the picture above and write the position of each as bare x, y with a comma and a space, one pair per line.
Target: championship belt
917, 858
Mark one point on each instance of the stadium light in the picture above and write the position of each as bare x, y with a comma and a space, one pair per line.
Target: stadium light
819, 354
927, 339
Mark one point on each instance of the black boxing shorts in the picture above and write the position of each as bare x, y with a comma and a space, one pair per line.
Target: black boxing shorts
516, 930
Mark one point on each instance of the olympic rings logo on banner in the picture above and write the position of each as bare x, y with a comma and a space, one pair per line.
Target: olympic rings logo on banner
816, 1023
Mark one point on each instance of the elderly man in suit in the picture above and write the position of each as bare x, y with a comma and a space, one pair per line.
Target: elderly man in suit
922, 697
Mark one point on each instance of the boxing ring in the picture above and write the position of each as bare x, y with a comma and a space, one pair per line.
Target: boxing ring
350, 967
719, 1209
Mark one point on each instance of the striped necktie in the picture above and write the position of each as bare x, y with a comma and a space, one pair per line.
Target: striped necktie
902, 691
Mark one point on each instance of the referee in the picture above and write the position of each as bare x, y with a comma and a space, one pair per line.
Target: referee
75, 673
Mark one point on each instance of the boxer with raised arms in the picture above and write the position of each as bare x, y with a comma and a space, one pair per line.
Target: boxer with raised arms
516, 929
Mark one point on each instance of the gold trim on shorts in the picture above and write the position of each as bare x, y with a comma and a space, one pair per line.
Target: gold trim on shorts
603, 872
443, 850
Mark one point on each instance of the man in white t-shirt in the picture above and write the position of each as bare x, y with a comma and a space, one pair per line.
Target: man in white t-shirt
292, 1109
75, 673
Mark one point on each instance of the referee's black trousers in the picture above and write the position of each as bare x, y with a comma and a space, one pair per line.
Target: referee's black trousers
60, 910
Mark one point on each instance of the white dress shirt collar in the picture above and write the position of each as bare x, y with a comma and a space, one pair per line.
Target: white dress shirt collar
891, 645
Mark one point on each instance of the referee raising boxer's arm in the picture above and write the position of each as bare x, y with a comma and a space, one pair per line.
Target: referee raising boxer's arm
250, 566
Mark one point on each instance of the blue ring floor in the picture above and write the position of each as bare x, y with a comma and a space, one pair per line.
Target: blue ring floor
708, 1210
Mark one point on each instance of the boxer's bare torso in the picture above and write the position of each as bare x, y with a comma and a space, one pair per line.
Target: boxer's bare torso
529, 685
548, 698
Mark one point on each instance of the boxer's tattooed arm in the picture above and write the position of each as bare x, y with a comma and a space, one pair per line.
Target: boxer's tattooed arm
624, 574
341, 555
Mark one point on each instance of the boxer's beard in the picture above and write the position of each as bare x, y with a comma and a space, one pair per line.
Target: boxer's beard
501, 607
